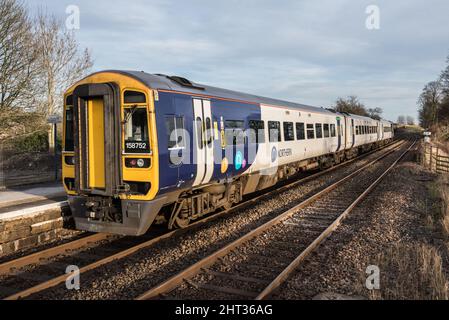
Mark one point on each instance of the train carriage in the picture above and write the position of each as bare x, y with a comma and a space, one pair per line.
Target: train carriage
143, 149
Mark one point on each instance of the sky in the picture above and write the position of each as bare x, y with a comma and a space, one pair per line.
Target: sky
305, 51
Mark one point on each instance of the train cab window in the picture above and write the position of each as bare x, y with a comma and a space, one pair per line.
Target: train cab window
235, 132
136, 130
326, 130
68, 143
310, 132
256, 131
300, 131
333, 131
319, 130
274, 131
69, 100
175, 132
134, 97
289, 134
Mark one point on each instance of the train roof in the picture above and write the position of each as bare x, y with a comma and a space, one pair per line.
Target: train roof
164, 82
174, 83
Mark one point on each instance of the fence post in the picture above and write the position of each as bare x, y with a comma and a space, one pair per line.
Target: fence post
431, 158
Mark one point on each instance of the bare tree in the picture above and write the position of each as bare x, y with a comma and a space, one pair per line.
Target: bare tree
350, 105
375, 113
444, 80
18, 56
429, 103
410, 120
61, 61
401, 120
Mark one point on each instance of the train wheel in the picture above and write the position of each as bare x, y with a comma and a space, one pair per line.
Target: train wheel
227, 206
181, 223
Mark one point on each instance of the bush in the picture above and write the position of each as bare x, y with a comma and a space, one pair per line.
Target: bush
36, 142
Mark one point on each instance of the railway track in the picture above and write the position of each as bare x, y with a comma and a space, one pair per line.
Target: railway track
256, 264
14, 269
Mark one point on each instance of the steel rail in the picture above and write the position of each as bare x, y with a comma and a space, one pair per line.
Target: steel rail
284, 275
175, 281
61, 279
36, 257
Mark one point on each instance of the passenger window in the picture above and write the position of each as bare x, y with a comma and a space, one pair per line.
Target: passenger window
69, 143
326, 130
319, 130
310, 132
333, 132
256, 131
175, 132
289, 134
274, 131
300, 134
235, 132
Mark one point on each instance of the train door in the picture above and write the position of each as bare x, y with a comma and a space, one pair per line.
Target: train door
348, 131
378, 131
203, 138
97, 165
339, 133
353, 133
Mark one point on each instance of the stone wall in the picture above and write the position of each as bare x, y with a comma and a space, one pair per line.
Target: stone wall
26, 230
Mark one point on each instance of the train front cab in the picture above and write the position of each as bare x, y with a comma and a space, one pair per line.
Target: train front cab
110, 157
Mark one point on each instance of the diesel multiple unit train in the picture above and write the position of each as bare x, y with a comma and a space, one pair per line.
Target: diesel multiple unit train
143, 149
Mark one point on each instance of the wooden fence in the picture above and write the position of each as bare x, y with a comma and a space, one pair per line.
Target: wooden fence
435, 159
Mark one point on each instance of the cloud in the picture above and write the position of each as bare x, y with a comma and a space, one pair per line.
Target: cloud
306, 51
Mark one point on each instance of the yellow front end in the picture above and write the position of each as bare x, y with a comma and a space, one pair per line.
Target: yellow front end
87, 153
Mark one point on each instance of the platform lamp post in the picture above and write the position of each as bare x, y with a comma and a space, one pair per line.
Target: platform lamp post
53, 120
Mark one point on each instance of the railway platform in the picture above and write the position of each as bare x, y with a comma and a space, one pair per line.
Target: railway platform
30, 215
31, 195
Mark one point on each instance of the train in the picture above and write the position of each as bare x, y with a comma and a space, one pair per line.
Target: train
141, 149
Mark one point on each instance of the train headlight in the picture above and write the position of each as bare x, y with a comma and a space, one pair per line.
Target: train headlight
137, 163
140, 163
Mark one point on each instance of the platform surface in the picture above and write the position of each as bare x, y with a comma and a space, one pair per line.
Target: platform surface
19, 198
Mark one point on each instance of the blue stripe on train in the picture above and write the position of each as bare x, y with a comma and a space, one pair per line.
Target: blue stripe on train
173, 104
